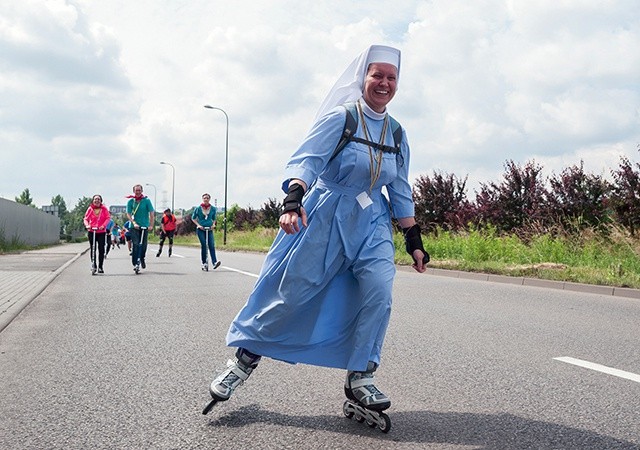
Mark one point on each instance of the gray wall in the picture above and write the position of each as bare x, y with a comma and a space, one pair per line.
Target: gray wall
29, 225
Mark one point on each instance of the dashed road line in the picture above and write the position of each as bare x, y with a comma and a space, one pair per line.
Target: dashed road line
239, 271
600, 368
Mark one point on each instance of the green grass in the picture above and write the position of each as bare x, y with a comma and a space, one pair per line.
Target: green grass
258, 240
591, 258
11, 245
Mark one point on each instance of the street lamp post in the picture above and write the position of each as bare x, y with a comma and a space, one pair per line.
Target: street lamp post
226, 167
173, 187
155, 198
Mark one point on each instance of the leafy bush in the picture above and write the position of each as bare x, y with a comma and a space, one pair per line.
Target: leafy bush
186, 225
441, 203
577, 200
517, 201
246, 219
270, 213
625, 198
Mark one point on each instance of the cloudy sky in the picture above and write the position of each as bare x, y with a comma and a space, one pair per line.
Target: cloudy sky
95, 94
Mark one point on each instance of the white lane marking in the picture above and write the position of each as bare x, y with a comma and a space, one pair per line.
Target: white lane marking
600, 368
240, 271
176, 255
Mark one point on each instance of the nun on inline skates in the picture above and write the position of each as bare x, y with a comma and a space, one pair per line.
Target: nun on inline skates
324, 293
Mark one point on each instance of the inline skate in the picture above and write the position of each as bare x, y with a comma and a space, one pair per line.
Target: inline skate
237, 372
365, 402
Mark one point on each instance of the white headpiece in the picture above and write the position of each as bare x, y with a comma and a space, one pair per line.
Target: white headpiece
349, 86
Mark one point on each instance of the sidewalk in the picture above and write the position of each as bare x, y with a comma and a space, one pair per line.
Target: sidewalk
23, 276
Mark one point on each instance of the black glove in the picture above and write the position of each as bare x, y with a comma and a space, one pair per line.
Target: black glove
413, 241
293, 200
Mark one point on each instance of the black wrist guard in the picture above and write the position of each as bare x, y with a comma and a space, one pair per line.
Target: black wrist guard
413, 241
293, 200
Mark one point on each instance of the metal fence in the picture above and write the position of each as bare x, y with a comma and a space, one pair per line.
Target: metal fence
26, 225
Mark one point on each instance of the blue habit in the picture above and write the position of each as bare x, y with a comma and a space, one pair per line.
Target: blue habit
323, 296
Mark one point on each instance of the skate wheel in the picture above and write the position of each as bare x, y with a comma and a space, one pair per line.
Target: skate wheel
359, 418
385, 424
372, 423
347, 412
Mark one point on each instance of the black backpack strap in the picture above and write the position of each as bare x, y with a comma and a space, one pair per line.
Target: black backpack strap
396, 128
349, 130
384, 148
351, 126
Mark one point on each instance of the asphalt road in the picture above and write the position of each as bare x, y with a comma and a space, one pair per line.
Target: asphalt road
123, 361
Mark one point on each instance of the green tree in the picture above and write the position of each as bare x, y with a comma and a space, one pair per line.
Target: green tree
63, 213
25, 198
75, 224
58, 201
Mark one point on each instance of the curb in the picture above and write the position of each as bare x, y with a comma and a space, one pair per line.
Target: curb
536, 282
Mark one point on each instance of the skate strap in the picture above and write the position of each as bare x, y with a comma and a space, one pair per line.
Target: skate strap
361, 382
237, 370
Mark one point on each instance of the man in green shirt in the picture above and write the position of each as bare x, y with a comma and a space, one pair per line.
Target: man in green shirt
141, 214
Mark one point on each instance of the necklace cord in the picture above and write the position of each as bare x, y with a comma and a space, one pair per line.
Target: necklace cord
375, 164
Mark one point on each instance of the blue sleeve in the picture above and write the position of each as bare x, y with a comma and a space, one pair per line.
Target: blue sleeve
400, 192
317, 148
194, 215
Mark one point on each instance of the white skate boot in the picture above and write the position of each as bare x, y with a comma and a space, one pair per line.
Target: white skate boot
237, 372
365, 401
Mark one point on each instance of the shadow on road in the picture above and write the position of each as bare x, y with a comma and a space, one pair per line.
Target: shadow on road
483, 431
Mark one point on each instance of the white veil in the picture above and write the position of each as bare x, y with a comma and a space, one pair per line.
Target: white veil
349, 86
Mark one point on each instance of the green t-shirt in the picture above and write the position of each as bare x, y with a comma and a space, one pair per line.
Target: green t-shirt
140, 211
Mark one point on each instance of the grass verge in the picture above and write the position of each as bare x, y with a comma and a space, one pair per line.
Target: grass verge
612, 260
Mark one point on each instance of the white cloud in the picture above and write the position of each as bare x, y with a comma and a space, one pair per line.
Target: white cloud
93, 95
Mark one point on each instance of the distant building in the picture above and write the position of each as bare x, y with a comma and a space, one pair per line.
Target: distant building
51, 209
117, 209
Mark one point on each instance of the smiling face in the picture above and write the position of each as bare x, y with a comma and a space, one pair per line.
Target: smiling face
380, 85
206, 198
97, 200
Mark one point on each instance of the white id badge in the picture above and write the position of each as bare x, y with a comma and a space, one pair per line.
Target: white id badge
364, 200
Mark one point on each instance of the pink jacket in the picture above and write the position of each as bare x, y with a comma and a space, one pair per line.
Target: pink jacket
100, 221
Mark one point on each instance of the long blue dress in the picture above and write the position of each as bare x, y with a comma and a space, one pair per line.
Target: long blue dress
323, 296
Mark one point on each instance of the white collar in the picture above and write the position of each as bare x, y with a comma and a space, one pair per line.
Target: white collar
366, 109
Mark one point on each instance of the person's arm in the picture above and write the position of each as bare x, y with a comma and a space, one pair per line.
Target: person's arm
307, 163
130, 214
132, 220
413, 243
194, 217
293, 207
85, 220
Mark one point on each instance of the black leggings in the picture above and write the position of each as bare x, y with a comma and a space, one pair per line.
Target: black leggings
168, 234
100, 239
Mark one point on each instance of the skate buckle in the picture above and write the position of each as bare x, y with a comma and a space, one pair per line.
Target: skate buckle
361, 414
